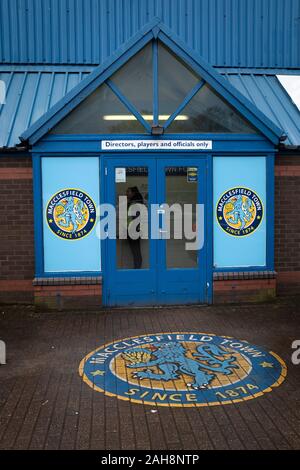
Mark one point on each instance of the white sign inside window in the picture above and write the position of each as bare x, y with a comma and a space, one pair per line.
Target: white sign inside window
120, 175
129, 145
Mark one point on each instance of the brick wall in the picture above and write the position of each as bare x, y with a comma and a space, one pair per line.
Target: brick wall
16, 234
246, 286
287, 223
61, 297
17, 284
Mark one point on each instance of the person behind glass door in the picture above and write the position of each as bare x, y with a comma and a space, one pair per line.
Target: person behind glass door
134, 197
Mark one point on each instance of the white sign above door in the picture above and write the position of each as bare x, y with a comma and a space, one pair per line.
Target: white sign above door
129, 145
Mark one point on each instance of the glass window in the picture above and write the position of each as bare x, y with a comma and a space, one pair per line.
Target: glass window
135, 82
101, 113
175, 81
132, 252
104, 113
207, 112
181, 189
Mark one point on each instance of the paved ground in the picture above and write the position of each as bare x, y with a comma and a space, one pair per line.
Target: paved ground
44, 404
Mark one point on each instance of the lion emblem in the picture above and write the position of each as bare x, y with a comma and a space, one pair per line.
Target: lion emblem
172, 361
71, 213
242, 212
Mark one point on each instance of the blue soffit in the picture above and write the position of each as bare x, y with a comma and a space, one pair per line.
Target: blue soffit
153, 30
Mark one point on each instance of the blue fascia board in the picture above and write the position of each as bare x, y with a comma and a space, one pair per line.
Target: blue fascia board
185, 136
103, 72
91, 144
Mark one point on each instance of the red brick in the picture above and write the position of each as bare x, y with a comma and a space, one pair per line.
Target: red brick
16, 285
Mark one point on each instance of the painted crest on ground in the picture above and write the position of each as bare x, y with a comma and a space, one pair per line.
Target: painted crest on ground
239, 211
71, 214
182, 369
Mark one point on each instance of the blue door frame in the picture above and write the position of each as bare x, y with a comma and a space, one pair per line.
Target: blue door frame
181, 285
158, 285
127, 286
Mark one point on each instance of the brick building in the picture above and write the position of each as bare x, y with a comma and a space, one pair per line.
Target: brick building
182, 101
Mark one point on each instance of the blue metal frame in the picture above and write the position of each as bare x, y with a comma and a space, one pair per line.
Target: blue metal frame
270, 192
205, 193
38, 221
104, 72
155, 84
172, 280
38, 216
119, 278
185, 102
129, 105
209, 231
270, 223
253, 150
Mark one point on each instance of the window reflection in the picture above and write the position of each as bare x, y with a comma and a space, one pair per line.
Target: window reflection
90, 116
104, 113
135, 81
132, 253
181, 188
207, 112
175, 81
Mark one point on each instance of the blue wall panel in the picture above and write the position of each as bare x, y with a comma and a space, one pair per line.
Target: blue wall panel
245, 251
239, 33
82, 255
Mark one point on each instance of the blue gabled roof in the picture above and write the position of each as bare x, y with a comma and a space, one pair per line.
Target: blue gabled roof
103, 72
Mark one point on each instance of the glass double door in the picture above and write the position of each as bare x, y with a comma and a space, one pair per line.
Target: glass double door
155, 252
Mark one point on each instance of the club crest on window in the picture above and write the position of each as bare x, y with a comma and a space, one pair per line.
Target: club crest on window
71, 214
239, 211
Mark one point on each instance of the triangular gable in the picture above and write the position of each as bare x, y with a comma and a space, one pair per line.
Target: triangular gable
154, 30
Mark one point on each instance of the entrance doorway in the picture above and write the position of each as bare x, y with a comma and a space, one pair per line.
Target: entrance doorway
167, 263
